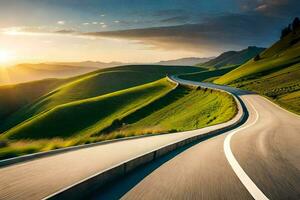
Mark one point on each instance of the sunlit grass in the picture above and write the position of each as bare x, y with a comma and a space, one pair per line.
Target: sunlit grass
168, 110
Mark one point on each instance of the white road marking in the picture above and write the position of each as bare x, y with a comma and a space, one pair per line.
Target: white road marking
256, 193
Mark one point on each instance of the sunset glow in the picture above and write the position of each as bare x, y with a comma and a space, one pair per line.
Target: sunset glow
147, 31
5, 57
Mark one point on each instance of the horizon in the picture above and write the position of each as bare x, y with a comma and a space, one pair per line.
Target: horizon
148, 32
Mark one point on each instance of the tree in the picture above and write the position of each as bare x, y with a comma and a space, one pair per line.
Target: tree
295, 24
286, 31
257, 57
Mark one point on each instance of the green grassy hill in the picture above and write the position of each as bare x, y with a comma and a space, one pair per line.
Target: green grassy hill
156, 107
232, 58
92, 85
276, 74
90, 115
106, 104
180, 110
15, 96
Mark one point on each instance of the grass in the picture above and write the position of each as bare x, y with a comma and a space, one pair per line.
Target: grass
85, 86
282, 54
152, 108
15, 96
275, 75
182, 109
88, 116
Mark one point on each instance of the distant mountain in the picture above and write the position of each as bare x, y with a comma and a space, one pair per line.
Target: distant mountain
185, 61
29, 72
96, 64
231, 58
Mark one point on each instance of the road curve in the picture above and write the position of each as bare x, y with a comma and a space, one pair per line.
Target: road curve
259, 160
39, 178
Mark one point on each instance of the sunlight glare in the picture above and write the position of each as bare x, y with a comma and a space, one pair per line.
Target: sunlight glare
5, 56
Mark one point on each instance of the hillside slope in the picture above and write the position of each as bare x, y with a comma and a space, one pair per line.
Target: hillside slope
156, 107
87, 114
232, 58
90, 85
275, 74
14, 96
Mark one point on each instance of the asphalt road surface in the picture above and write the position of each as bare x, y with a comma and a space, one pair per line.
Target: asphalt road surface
259, 160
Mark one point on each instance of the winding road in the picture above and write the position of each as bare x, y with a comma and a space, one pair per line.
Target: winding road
258, 160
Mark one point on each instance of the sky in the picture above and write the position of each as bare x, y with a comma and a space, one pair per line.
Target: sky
136, 30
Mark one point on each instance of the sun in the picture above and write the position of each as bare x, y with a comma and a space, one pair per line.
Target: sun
5, 57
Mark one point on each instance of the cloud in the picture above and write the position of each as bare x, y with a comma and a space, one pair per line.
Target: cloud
65, 31
61, 22
216, 34
261, 7
279, 8
176, 19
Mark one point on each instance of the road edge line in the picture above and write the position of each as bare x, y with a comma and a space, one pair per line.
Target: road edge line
255, 192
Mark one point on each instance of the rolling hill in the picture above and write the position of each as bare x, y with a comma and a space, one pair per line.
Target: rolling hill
90, 85
156, 107
30, 72
275, 73
232, 58
107, 104
94, 64
14, 96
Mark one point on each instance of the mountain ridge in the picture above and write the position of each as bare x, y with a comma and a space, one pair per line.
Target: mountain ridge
232, 58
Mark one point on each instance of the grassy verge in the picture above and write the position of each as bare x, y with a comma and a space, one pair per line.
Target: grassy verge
148, 109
